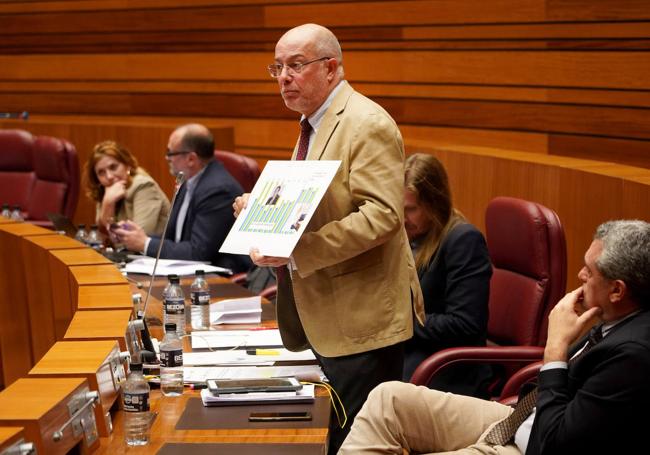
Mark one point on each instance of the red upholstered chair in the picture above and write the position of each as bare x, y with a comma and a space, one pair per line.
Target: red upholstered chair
41, 174
528, 252
244, 169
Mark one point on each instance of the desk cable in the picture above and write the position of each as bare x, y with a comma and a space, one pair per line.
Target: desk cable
335, 400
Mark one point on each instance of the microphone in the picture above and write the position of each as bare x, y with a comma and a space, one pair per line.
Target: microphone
180, 178
24, 115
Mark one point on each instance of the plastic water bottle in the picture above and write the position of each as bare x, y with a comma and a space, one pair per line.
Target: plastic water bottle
81, 234
171, 362
200, 298
5, 210
94, 240
16, 215
137, 418
174, 304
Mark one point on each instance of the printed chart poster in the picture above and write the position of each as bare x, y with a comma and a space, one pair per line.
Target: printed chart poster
280, 207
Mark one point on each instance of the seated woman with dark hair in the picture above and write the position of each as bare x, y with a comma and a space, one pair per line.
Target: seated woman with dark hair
454, 270
122, 190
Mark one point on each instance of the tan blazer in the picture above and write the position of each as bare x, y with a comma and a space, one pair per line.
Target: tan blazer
144, 203
355, 273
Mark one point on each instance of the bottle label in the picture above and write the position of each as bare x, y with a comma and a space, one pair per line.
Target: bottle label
174, 306
170, 359
200, 298
136, 402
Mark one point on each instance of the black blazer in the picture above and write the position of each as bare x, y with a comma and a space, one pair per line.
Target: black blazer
456, 290
601, 404
207, 222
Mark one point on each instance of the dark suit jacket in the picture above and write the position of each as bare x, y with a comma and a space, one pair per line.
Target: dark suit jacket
456, 289
207, 223
601, 403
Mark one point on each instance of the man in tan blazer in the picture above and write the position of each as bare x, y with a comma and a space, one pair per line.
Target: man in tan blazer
350, 289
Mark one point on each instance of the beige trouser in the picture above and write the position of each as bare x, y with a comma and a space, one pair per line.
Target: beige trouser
400, 416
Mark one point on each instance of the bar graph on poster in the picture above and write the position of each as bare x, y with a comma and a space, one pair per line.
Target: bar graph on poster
280, 206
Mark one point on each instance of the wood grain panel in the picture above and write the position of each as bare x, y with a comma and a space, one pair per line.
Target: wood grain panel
34, 6
408, 12
623, 151
172, 19
630, 98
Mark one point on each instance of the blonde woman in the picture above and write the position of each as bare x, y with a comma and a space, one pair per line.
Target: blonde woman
123, 190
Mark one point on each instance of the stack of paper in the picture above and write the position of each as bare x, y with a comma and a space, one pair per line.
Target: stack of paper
236, 338
171, 266
304, 395
245, 310
241, 357
200, 375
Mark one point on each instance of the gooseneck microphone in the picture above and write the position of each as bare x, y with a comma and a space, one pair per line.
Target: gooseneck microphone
24, 115
180, 178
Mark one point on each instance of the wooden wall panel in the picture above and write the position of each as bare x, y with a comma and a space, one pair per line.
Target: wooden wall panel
550, 78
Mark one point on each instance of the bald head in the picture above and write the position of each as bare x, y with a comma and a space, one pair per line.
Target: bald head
317, 39
197, 138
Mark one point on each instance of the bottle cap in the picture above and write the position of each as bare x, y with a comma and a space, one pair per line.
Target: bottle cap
199, 272
136, 367
16, 207
82, 226
175, 279
170, 327
93, 226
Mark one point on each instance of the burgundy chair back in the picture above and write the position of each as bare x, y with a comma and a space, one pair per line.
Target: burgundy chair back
41, 174
17, 174
244, 169
528, 252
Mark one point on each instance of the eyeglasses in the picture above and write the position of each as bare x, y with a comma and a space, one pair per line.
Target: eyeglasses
169, 153
275, 70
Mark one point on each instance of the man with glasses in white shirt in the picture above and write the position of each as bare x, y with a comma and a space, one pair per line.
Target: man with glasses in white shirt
351, 284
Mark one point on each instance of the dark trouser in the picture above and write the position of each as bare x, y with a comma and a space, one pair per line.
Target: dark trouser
354, 376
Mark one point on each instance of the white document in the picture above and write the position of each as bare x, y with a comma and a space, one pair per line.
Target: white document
245, 310
304, 395
241, 357
280, 207
197, 375
171, 266
236, 338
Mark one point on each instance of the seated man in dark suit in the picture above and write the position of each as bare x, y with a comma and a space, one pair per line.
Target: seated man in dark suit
590, 399
201, 216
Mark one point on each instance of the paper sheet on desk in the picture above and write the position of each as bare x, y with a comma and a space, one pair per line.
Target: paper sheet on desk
236, 338
197, 375
245, 310
171, 266
240, 357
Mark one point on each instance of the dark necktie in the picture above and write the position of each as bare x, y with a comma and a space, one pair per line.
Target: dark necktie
303, 147
503, 431
303, 142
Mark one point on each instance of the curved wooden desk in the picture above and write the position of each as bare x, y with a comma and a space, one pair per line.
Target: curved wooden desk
93, 292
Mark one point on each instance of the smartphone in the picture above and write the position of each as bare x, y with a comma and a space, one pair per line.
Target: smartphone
218, 386
278, 416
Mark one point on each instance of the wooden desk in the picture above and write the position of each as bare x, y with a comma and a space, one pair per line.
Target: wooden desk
15, 331
42, 309
60, 262
10, 435
98, 286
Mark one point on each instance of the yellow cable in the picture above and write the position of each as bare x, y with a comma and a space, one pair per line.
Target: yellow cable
332, 394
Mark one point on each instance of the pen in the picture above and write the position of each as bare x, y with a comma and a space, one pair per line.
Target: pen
262, 352
198, 386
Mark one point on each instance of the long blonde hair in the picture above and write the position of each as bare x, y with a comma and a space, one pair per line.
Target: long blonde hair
427, 179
